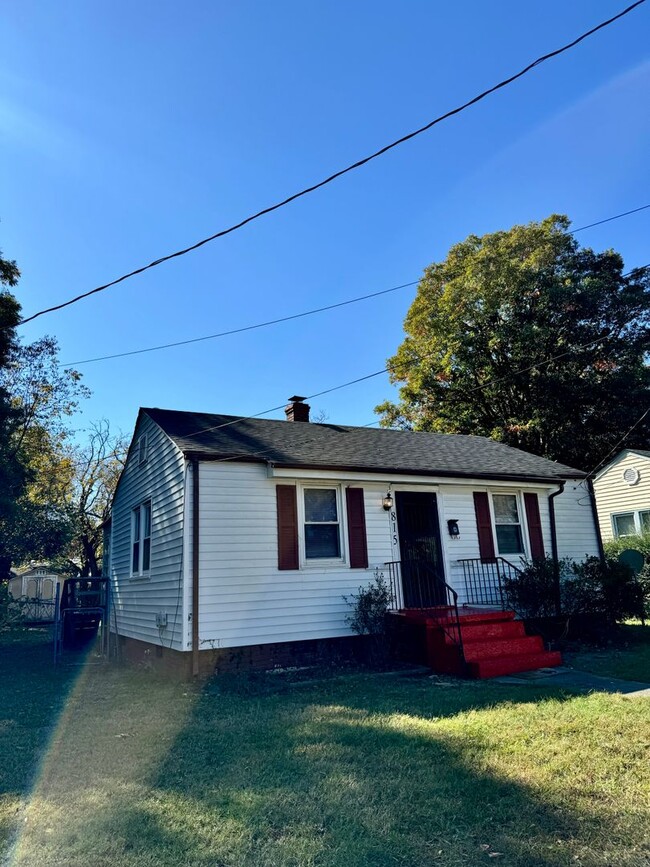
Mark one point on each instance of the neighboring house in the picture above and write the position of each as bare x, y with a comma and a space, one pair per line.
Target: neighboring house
622, 490
238, 538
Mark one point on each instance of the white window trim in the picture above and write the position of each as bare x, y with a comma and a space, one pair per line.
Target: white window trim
140, 575
325, 562
523, 523
636, 515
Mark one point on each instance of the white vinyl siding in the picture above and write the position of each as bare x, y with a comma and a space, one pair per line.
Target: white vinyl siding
577, 534
160, 481
244, 598
614, 496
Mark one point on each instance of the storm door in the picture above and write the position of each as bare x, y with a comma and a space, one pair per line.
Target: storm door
420, 549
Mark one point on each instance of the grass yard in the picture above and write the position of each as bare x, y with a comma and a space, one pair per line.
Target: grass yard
629, 659
103, 766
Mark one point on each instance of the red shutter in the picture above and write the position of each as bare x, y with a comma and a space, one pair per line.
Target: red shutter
484, 526
357, 528
531, 502
287, 527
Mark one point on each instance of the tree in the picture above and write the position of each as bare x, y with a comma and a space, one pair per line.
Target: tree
97, 468
11, 471
43, 397
511, 301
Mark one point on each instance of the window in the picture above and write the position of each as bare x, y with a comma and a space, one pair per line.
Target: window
631, 523
142, 450
141, 539
322, 527
507, 524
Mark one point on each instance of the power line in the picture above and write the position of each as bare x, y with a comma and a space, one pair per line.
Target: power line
401, 366
242, 329
622, 440
304, 313
341, 172
609, 219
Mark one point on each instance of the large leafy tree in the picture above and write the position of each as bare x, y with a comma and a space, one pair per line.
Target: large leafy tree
12, 477
511, 301
37, 399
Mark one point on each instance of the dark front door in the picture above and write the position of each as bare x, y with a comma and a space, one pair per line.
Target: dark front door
420, 550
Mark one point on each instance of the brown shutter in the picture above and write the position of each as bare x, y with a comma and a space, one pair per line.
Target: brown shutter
357, 528
531, 502
287, 527
484, 526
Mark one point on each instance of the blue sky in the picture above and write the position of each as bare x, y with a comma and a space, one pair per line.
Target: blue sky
128, 130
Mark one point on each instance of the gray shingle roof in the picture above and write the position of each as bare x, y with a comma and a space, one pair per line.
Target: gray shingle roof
301, 444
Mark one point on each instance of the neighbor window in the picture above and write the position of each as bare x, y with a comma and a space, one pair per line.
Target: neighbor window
322, 527
507, 524
141, 539
631, 523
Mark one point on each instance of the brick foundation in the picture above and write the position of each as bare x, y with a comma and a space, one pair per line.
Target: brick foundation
255, 657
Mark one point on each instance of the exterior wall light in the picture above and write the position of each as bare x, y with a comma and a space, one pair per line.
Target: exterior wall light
453, 528
387, 502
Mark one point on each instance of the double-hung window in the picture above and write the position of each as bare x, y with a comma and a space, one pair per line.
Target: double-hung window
141, 539
631, 523
507, 524
322, 524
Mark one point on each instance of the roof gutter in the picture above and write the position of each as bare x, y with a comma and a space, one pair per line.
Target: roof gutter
554, 549
594, 512
195, 567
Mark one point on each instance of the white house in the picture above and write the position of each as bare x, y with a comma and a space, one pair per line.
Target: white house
622, 490
237, 538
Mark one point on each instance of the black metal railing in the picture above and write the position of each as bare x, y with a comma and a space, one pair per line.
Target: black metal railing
415, 584
485, 578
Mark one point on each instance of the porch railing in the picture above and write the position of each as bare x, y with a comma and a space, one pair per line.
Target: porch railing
426, 592
484, 580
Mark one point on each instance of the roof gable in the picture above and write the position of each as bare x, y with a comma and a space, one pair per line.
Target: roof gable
326, 446
642, 453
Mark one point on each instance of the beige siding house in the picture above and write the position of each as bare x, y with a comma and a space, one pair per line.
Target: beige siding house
234, 537
622, 490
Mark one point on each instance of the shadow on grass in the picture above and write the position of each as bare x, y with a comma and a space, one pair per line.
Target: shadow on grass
371, 771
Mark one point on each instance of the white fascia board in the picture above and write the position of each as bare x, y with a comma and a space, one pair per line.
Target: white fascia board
401, 480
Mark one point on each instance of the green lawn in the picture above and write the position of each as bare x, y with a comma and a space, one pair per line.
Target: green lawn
629, 658
113, 767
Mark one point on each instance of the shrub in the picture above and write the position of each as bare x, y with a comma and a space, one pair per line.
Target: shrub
533, 592
594, 588
638, 543
370, 604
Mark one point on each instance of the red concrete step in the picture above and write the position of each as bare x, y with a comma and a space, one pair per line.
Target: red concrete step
491, 629
502, 665
479, 650
468, 616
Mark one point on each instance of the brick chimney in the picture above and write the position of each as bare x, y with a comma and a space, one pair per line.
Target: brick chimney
297, 410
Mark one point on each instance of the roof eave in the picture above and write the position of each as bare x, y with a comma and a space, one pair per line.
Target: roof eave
393, 471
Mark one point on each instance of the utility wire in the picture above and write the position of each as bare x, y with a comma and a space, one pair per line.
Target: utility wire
242, 329
347, 169
609, 219
388, 369
304, 313
622, 440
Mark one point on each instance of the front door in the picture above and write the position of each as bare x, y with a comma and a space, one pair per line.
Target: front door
420, 549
